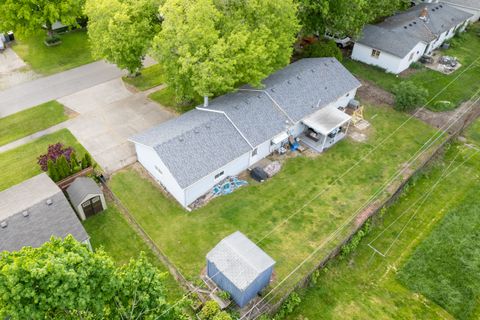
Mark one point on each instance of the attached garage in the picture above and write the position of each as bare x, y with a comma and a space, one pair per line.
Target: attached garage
86, 197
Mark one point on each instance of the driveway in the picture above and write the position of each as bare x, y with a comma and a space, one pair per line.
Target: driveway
108, 115
13, 70
53, 87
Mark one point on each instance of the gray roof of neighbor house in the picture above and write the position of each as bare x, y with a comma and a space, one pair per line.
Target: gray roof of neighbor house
34, 211
400, 33
472, 4
80, 188
201, 141
239, 259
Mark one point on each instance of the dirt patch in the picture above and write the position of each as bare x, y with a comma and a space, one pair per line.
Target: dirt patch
466, 113
370, 93
408, 72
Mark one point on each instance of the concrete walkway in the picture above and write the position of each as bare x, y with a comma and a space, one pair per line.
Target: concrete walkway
53, 87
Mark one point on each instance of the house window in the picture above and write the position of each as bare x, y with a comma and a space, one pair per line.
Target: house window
411, 57
158, 169
218, 175
254, 152
375, 53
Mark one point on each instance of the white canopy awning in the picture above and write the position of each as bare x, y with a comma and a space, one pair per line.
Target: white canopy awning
279, 138
326, 120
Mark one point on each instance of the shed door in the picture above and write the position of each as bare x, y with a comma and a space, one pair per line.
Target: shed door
92, 206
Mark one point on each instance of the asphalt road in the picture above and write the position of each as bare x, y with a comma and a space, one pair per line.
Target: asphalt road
29, 94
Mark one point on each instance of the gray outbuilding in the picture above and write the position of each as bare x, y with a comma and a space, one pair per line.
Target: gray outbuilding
86, 197
239, 267
35, 210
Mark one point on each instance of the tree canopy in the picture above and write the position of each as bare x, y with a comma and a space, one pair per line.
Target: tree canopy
345, 17
29, 16
63, 279
121, 31
208, 47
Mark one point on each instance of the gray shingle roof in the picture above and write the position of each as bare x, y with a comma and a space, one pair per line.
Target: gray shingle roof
239, 259
474, 4
43, 220
308, 85
400, 33
80, 188
199, 142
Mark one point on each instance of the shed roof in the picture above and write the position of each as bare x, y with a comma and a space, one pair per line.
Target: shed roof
239, 259
200, 141
80, 188
400, 33
32, 221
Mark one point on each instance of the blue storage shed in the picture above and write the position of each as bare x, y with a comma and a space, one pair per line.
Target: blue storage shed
239, 267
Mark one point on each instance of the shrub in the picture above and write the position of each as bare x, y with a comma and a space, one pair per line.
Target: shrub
52, 40
209, 310
288, 305
409, 96
443, 105
323, 48
224, 295
222, 316
351, 245
416, 65
54, 152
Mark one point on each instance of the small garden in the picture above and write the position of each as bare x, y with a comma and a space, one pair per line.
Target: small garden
20, 164
27, 122
463, 47
74, 51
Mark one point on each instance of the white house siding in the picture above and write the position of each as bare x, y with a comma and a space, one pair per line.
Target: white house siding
418, 51
154, 165
263, 150
385, 61
204, 185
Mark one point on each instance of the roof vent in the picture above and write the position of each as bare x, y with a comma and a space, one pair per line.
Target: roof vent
3, 224
25, 213
414, 22
441, 6
235, 107
313, 70
299, 78
49, 202
410, 24
289, 82
326, 88
259, 96
404, 27
433, 9
272, 89
181, 139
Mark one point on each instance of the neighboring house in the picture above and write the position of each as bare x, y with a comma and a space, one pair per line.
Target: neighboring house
35, 210
86, 197
470, 6
190, 154
405, 37
239, 267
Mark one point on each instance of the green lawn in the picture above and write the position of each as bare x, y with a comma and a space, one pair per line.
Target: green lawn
166, 97
258, 208
365, 286
446, 266
27, 122
73, 52
110, 231
150, 77
20, 164
466, 49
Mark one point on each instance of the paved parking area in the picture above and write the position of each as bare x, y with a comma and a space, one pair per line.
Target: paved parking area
13, 70
108, 115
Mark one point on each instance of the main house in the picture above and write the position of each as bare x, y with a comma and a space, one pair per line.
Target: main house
190, 154
35, 210
405, 37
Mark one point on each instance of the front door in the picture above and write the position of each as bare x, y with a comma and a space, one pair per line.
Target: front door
92, 206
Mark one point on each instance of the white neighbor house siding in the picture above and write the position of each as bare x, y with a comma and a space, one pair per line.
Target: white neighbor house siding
385, 60
154, 165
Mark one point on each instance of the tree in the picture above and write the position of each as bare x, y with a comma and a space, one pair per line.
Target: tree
63, 167
409, 96
63, 279
121, 31
52, 171
209, 47
323, 48
28, 16
344, 17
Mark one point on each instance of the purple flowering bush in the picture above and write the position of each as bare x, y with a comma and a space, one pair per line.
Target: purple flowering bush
54, 152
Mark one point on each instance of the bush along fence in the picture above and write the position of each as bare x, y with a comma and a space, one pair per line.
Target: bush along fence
287, 303
61, 162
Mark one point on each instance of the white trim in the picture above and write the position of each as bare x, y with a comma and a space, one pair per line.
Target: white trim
233, 124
